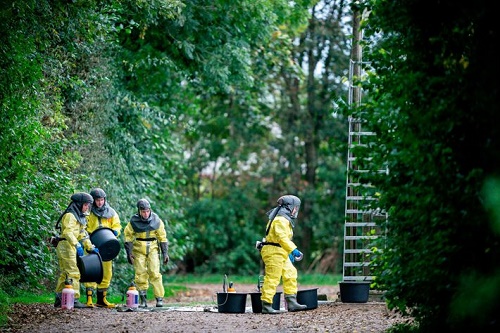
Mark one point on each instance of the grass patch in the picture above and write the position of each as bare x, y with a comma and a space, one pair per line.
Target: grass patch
173, 285
304, 279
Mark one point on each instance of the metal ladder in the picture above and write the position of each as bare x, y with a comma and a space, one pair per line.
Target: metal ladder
362, 216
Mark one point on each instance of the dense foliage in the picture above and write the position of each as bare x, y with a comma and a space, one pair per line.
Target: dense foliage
433, 100
185, 103
213, 109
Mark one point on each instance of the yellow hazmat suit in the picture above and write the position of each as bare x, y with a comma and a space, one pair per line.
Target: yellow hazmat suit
276, 261
72, 232
278, 253
107, 266
144, 238
102, 217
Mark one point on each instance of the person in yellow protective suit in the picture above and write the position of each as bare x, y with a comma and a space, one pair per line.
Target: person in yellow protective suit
145, 236
278, 253
101, 216
73, 235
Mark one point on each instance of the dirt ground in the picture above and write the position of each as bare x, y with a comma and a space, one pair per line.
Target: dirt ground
196, 311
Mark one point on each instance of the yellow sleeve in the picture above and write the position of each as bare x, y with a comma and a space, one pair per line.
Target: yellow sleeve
92, 223
70, 228
161, 233
129, 233
283, 233
116, 224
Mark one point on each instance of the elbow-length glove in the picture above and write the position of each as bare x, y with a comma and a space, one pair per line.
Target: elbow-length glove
164, 252
128, 249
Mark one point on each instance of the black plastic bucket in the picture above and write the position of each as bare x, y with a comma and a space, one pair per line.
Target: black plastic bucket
354, 291
107, 243
231, 302
90, 267
308, 297
257, 304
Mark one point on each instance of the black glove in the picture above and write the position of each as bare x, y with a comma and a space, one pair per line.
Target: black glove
128, 249
164, 252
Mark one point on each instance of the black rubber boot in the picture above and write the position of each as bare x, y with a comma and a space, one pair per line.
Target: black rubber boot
291, 301
101, 299
143, 301
159, 302
79, 305
57, 302
268, 308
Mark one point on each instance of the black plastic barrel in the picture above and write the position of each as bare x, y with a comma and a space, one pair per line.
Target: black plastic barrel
107, 243
90, 267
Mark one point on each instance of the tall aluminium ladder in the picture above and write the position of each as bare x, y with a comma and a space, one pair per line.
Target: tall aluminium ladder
362, 216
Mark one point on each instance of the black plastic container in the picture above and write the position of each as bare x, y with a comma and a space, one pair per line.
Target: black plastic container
257, 304
231, 302
90, 267
107, 243
354, 291
308, 297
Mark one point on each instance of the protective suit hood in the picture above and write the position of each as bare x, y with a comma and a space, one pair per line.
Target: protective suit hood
105, 211
141, 225
76, 206
282, 212
286, 205
75, 210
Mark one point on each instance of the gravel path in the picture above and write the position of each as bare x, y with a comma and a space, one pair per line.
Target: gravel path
196, 311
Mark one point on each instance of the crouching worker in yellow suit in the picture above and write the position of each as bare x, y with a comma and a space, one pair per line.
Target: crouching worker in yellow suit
278, 253
101, 216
